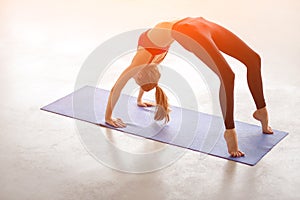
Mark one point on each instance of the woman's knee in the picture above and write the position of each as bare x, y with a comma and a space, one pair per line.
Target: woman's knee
254, 62
257, 59
227, 79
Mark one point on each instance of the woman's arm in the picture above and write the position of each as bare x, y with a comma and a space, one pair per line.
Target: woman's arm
141, 58
140, 100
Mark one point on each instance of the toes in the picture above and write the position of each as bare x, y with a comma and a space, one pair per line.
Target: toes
268, 130
237, 154
241, 153
233, 154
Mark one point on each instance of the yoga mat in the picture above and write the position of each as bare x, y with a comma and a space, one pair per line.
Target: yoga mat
187, 128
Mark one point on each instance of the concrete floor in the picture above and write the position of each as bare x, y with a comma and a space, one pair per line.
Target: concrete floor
43, 45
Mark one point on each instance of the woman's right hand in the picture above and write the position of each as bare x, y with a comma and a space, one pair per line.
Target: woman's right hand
118, 123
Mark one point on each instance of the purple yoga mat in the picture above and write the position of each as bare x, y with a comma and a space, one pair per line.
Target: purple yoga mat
187, 128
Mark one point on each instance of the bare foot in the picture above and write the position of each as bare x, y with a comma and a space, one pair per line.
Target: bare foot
262, 116
232, 143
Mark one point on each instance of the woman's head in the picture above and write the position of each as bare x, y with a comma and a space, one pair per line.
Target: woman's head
148, 79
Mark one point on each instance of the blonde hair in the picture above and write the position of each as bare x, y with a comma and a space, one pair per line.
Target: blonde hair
162, 105
148, 76
147, 79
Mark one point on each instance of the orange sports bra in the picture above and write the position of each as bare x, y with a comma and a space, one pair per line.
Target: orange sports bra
145, 42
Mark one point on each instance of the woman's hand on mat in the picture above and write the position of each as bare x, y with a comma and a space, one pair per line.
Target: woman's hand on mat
145, 104
118, 123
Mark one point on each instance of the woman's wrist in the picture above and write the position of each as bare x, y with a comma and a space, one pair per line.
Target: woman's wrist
107, 117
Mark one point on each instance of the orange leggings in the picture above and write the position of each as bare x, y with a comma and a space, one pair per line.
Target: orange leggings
206, 39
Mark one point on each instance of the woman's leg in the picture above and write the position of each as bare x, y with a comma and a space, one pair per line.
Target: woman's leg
231, 45
198, 41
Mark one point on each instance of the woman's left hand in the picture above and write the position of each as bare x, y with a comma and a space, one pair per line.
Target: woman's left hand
146, 104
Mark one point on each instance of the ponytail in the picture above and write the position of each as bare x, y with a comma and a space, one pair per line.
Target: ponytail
162, 108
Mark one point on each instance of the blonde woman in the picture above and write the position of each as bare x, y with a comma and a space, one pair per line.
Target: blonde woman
206, 40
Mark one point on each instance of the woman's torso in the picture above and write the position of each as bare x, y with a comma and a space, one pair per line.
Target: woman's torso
157, 40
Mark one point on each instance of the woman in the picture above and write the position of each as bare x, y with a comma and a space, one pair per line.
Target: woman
206, 40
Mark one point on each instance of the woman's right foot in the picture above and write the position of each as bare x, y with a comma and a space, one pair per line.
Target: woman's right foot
262, 116
232, 143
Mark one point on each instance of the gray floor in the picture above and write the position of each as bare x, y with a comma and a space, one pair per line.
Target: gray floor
43, 45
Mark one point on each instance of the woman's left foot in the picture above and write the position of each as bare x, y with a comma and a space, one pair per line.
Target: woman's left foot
232, 143
262, 116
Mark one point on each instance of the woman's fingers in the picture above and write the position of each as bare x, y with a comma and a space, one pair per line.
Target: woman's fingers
149, 104
146, 104
141, 104
120, 123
